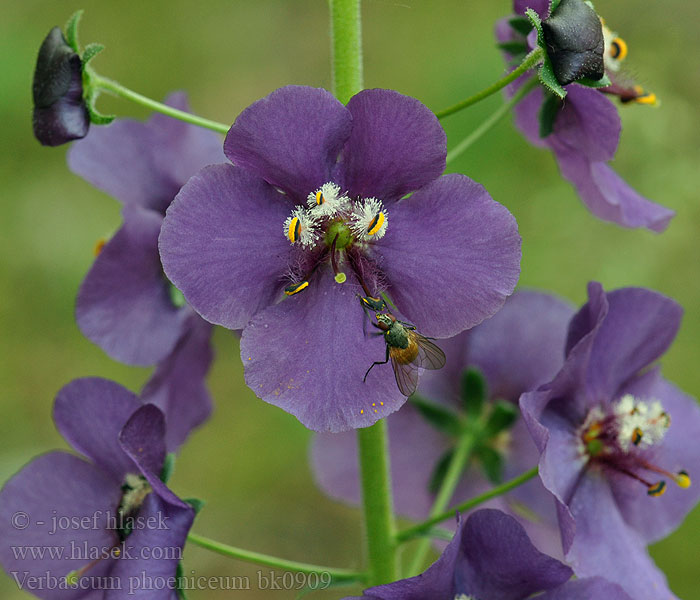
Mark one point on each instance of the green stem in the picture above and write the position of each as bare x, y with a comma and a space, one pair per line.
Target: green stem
492, 120
108, 85
459, 461
272, 561
380, 526
346, 45
421, 528
528, 62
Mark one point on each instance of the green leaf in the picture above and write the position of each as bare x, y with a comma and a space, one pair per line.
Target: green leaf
168, 467
546, 73
548, 114
521, 24
491, 463
440, 471
503, 416
592, 83
91, 51
473, 392
513, 47
72, 30
438, 416
196, 503
177, 297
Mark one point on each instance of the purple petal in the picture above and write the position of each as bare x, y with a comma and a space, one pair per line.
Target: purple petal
124, 303
655, 518
222, 244
152, 552
55, 491
608, 196
638, 328
588, 123
527, 115
437, 583
177, 386
308, 355
586, 589
450, 226
89, 413
291, 138
142, 438
605, 545
397, 145
541, 7
500, 561
522, 345
145, 163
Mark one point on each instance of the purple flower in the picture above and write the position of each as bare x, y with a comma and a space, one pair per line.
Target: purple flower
585, 132
97, 524
613, 433
60, 114
317, 198
491, 558
519, 348
125, 303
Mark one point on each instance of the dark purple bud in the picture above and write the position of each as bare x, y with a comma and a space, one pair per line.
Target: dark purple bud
575, 44
60, 114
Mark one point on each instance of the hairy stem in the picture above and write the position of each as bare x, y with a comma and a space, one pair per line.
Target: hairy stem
528, 63
346, 47
113, 87
421, 528
492, 120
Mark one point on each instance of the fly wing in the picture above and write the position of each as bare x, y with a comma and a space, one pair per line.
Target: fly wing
430, 356
406, 376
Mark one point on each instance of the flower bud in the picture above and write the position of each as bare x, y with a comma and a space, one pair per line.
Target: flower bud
60, 114
574, 38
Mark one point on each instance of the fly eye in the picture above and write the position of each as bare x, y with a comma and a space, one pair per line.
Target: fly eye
618, 49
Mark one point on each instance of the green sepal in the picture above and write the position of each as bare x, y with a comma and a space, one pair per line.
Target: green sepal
196, 503
440, 417
592, 83
491, 463
168, 467
546, 72
548, 114
554, 6
96, 117
179, 575
176, 297
518, 48
440, 471
503, 416
72, 30
473, 390
521, 24
91, 51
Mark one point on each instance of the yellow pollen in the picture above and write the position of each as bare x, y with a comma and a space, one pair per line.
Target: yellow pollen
376, 224
319, 198
647, 98
381, 404
637, 436
295, 288
362, 411
619, 49
592, 432
683, 479
294, 230
657, 489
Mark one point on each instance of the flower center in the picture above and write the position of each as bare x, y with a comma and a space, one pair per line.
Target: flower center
337, 228
619, 437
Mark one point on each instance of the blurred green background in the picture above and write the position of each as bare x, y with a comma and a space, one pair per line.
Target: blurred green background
250, 461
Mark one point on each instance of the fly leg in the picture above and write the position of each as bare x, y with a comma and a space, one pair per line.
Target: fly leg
377, 362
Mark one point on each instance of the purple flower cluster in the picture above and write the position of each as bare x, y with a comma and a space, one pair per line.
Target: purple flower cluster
125, 304
585, 136
94, 525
